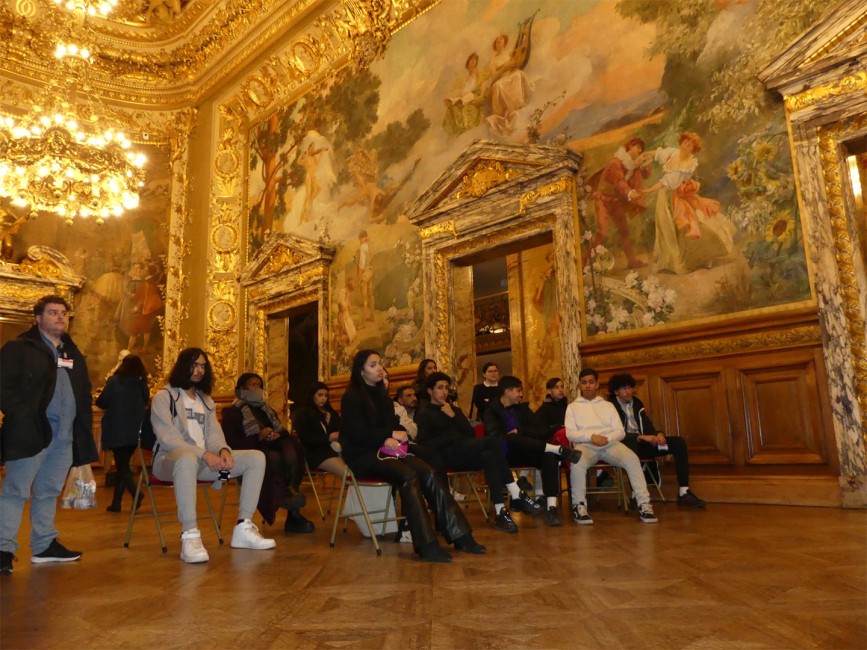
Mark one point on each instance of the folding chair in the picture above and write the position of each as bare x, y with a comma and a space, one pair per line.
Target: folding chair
454, 475
147, 482
311, 476
354, 484
648, 470
618, 488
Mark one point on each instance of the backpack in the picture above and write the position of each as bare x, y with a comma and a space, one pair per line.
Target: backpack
146, 434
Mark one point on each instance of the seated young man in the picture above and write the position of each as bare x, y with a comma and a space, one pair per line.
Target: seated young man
552, 412
643, 438
508, 418
592, 424
404, 405
445, 428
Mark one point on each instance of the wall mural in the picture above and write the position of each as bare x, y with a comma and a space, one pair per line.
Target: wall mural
691, 208
123, 262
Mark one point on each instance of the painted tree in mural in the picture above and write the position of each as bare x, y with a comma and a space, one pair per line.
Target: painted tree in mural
338, 122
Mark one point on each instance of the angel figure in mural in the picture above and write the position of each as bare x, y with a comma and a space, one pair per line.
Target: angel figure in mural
345, 330
617, 196
509, 89
314, 160
364, 170
691, 231
364, 275
465, 108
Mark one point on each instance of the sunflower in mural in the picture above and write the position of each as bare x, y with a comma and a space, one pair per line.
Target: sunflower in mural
781, 228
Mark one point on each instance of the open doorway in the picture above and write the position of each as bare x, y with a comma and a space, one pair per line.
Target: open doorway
515, 317
303, 351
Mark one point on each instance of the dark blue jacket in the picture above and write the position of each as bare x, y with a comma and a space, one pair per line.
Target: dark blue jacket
124, 400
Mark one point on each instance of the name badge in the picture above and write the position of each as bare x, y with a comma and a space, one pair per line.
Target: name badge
63, 362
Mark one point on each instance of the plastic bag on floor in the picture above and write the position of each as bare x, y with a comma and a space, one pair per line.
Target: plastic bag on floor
80, 490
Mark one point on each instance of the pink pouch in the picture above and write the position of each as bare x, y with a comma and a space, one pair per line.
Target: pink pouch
398, 452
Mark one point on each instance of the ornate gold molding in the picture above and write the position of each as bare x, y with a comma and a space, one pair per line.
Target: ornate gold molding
557, 187
830, 138
852, 83
437, 228
805, 335
484, 175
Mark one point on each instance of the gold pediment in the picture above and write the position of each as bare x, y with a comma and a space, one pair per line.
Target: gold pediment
284, 254
484, 175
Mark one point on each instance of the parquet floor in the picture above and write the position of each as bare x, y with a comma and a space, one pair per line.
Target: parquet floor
730, 577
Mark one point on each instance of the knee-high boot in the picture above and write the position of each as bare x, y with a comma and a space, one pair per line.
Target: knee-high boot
413, 508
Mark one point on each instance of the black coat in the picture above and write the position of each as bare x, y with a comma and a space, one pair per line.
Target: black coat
28, 374
482, 396
124, 400
310, 426
437, 430
644, 424
552, 413
528, 424
366, 425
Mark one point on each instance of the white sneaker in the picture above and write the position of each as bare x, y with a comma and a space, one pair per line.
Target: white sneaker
192, 549
247, 535
459, 497
405, 537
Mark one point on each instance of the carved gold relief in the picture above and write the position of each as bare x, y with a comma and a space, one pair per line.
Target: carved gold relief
437, 228
829, 139
222, 316
43, 268
484, 175
281, 258
557, 187
851, 83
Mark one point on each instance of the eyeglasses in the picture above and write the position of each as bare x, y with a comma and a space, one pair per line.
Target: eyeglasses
196, 364
56, 312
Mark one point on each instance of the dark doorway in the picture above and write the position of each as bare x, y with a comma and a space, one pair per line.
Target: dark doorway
303, 351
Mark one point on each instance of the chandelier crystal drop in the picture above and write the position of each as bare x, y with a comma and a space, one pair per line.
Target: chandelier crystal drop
64, 156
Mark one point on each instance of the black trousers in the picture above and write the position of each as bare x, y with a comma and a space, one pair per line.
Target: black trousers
530, 452
676, 447
418, 482
124, 477
481, 453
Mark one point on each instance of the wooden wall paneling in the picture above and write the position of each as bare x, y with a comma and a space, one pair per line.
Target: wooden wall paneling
694, 407
784, 420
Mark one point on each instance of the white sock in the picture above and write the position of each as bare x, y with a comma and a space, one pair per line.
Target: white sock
552, 502
499, 507
514, 490
683, 490
551, 449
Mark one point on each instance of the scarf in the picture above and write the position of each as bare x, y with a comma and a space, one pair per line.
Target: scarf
252, 427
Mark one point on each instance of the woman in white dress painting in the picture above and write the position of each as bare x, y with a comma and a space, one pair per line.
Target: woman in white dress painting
510, 89
691, 231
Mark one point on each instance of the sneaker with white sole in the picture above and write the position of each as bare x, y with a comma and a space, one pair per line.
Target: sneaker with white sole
192, 549
580, 514
247, 535
646, 514
56, 552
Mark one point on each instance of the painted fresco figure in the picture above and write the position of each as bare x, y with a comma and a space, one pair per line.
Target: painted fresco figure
464, 110
309, 160
691, 231
364, 272
509, 89
617, 197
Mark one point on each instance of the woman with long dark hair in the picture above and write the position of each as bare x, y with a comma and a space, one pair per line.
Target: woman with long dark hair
251, 423
370, 434
124, 400
318, 427
425, 369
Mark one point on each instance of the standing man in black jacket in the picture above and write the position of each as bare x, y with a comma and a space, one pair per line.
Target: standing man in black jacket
509, 418
45, 397
643, 438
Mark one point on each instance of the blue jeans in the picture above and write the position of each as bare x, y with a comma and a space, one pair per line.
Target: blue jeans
43, 477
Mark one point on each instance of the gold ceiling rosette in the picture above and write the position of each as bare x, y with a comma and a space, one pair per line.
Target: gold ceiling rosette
64, 155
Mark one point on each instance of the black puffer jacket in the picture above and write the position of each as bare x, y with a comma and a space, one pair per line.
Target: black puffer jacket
28, 373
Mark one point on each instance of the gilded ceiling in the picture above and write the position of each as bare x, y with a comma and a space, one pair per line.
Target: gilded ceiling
166, 53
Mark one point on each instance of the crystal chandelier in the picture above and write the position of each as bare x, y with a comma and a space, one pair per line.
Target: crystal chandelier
63, 156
